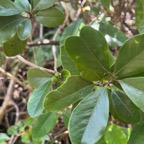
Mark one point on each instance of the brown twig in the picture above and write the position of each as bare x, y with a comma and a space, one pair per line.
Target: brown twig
15, 79
33, 65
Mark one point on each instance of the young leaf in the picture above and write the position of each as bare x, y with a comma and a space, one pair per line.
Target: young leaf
42, 4
51, 17
14, 46
90, 53
8, 26
37, 77
67, 62
137, 134
24, 4
115, 135
139, 15
8, 8
24, 29
73, 90
134, 88
89, 119
125, 108
36, 101
44, 124
130, 59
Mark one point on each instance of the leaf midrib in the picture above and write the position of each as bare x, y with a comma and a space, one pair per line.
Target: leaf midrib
94, 57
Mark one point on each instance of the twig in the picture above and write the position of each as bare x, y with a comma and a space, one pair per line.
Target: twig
33, 65
50, 42
7, 100
80, 9
15, 79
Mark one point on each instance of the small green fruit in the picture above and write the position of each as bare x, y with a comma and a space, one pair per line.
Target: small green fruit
54, 79
57, 74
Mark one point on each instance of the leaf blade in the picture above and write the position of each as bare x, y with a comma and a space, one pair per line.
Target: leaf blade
89, 119
90, 54
36, 101
73, 90
51, 17
134, 89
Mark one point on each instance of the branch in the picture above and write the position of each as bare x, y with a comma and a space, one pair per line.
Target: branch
52, 42
33, 65
15, 79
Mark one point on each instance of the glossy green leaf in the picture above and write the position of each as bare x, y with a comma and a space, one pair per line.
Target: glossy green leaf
125, 108
24, 4
137, 134
73, 90
36, 101
44, 124
113, 36
130, 59
42, 4
8, 8
14, 46
24, 29
139, 15
89, 119
67, 62
134, 88
51, 17
8, 26
72, 29
106, 3
113, 110
90, 53
115, 135
37, 77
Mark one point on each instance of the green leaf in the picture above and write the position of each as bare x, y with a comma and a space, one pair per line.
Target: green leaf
106, 3
113, 36
134, 88
67, 62
73, 90
42, 4
51, 17
8, 8
130, 59
101, 141
137, 134
37, 77
24, 29
36, 101
72, 29
8, 26
115, 135
125, 108
14, 46
3, 137
90, 53
24, 4
44, 124
89, 119
113, 110
139, 15
12, 130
